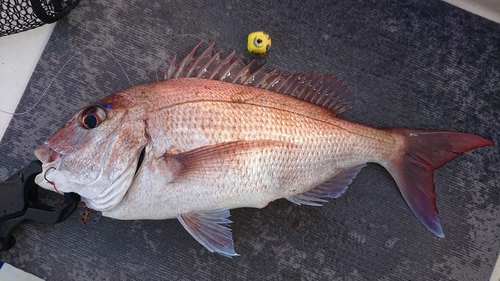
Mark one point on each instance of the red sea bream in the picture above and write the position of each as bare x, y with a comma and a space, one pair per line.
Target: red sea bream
220, 134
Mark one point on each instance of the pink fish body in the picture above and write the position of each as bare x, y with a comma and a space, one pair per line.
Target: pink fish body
218, 135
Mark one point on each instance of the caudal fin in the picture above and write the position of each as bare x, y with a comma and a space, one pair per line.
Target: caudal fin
413, 170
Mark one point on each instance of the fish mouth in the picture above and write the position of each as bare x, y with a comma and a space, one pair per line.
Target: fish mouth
47, 155
50, 159
104, 201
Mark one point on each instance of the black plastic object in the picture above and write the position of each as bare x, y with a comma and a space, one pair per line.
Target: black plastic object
22, 15
19, 202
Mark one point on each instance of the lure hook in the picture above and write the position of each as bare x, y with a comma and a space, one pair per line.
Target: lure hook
50, 182
45, 175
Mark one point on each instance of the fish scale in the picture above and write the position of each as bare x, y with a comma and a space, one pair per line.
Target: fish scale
220, 134
311, 139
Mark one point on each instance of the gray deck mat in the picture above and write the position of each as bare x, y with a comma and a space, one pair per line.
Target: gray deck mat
415, 64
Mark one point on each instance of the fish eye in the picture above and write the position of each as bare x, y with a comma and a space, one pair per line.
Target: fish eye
92, 117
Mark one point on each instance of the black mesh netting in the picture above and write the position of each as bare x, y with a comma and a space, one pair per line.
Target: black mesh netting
22, 15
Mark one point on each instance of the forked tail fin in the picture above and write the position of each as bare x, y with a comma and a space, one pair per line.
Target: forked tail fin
413, 170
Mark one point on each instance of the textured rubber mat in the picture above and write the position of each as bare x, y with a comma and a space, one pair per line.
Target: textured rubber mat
414, 64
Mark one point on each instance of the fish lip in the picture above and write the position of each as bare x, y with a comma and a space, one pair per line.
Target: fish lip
50, 159
47, 155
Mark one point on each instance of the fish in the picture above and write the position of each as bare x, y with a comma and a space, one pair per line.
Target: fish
219, 133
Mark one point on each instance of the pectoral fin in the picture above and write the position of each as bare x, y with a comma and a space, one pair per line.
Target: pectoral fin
210, 230
213, 160
329, 189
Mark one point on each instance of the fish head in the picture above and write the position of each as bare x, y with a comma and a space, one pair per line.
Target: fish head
96, 153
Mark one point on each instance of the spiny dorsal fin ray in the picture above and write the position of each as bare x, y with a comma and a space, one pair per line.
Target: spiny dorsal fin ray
326, 90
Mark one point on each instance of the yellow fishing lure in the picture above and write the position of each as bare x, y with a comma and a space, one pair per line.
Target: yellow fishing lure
259, 42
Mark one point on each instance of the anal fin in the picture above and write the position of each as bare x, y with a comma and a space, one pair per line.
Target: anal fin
210, 230
329, 189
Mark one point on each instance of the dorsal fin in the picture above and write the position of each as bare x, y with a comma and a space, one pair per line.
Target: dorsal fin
326, 90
